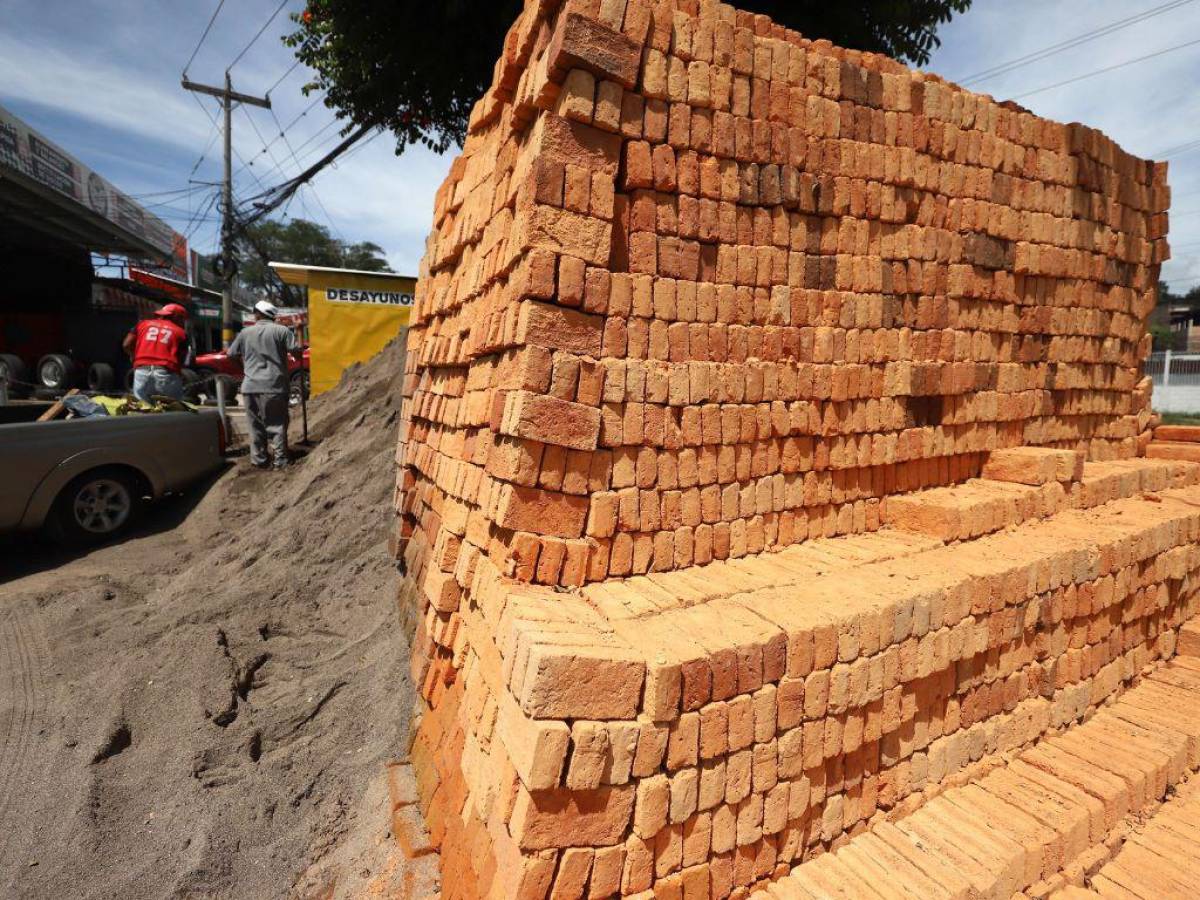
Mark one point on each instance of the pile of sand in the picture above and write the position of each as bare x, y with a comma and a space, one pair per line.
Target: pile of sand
201, 712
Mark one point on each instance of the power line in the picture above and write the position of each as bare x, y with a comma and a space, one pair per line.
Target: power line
259, 34
212, 119
216, 132
278, 169
318, 146
279, 80
1122, 65
1085, 37
169, 208
324, 128
271, 200
363, 145
176, 191
202, 210
312, 190
207, 29
1178, 150
275, 140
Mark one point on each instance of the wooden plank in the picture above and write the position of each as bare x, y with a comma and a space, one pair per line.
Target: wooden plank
57, 409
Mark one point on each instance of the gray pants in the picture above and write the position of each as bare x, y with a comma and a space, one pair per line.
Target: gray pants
267, 419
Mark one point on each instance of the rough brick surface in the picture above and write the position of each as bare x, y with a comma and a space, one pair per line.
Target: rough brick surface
1033, 465
716, 331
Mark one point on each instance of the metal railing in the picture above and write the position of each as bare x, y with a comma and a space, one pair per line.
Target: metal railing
1176, 379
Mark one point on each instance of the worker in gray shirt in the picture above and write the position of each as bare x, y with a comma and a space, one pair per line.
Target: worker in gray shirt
264, 348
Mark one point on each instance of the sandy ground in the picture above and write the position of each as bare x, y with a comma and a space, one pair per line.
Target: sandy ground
205, 709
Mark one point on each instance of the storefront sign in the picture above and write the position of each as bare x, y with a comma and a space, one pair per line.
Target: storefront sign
351, 318
25, 151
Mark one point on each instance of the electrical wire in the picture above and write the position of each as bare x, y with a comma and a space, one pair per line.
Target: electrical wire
279, 80
203, 210
207, 29
278, 166
1178, 150
311, 189
272, 199
149, 194
1112, 68
363, 145
213, 119
275, 140
259, 34
216, 132
1070, 43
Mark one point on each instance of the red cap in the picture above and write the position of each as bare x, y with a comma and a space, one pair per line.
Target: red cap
172, 310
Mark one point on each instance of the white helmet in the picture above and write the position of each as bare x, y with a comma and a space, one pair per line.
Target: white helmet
266, 308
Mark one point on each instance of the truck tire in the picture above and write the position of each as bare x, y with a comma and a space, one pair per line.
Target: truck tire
195, 386
231, 386
14, 370
56, 371
298, 386
101, 377
95, 506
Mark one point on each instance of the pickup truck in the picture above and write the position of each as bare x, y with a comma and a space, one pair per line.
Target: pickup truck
85, 480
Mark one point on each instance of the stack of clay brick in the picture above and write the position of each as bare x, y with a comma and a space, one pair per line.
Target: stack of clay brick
701, 295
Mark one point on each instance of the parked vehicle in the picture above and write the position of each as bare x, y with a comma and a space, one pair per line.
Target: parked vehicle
208, 367
85, 480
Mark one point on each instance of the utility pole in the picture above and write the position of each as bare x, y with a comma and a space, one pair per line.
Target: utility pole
228, 96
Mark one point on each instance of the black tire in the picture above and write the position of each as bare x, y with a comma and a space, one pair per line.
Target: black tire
101, 377
14, 370
197, 385
96, 506
231, 386
298, 385
56, 371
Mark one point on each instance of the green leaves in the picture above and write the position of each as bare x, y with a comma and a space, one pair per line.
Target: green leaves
417, 67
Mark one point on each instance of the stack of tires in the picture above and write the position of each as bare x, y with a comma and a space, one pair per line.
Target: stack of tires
54, 375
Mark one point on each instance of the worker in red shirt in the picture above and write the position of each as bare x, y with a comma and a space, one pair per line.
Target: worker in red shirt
158, 348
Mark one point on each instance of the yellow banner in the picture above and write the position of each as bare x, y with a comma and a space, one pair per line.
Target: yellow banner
351, 318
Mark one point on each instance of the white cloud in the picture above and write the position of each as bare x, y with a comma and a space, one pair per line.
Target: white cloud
119, 95
95, 89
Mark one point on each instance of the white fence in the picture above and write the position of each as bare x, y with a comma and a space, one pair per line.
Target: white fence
1176, 381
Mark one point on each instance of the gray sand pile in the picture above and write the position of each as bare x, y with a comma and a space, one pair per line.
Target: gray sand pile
200, 712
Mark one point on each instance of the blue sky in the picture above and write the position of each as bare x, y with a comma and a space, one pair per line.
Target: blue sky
103, 82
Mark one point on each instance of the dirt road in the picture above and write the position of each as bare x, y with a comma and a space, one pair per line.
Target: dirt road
204, 710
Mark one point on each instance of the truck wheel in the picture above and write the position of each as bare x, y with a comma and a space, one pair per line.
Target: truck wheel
195, 385
95, 506
230, 386
101, 377
56, 371
297, 388
13, 370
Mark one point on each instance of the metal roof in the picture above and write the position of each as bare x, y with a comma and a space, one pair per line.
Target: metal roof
29, 209
50, 197
296, 273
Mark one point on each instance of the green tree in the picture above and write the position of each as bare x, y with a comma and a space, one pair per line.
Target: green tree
417, 67
1165, 297
298, 241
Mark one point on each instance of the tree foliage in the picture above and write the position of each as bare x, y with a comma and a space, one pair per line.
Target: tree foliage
298, 241
417, 67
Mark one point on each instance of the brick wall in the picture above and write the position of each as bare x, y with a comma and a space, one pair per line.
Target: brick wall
698, 288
